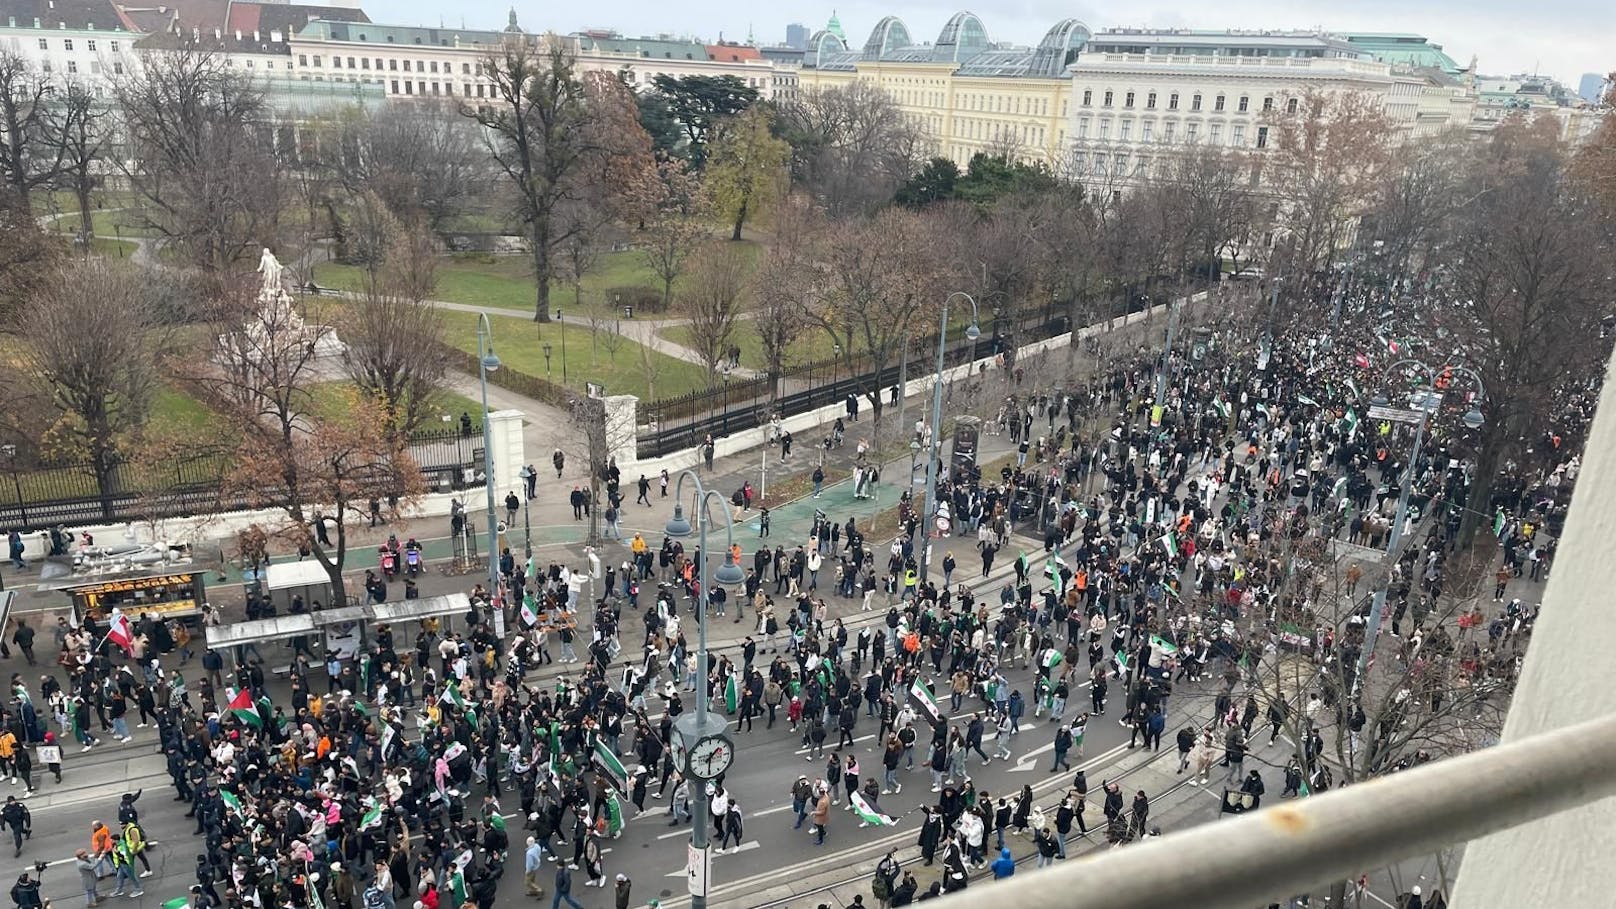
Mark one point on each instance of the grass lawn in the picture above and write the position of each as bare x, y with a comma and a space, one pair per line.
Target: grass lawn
174, 411
506, 282
520, 345
813, 345
331, 398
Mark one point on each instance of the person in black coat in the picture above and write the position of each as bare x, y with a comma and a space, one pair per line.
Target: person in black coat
931, 834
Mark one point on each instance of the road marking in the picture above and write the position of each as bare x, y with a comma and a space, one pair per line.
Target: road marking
862, 738
747, 846
775, 810
685, 832
1029, 760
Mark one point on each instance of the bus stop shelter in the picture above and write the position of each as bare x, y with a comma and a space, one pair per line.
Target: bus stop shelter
345, 631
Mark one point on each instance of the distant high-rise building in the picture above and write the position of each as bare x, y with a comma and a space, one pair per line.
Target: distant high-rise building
797, 36
1591, 87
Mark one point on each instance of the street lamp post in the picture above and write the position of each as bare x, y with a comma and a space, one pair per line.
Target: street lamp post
547, 348
563, 330
702, 733
487, 362
972, 332
1425, 402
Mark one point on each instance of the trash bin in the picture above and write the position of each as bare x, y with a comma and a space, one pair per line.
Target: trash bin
628, 311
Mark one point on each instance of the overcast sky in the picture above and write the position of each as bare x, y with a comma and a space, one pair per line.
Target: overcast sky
1563, 38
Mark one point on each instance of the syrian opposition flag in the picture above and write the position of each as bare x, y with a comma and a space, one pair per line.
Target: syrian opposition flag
1052, 658
868, 814
457, 886
1222, 407
388, 735
241, 704
608, 763
1352, 386
923, 697
120, 633
1169, 541
1053, 567
1021, 564
231, 801
530, 615
371, 818
451, 696
732, 694
1308, 400
1351, 423
1498, 523
1162, 646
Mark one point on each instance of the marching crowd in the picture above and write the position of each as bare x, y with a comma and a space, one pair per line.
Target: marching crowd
414, 771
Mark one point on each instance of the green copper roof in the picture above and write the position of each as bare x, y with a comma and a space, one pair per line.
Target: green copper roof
834, 26
1404, 49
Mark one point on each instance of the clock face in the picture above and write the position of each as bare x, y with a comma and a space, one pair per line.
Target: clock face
711, 756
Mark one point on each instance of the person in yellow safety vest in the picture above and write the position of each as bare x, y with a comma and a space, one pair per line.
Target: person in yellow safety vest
910, 577
123, 865
134, 840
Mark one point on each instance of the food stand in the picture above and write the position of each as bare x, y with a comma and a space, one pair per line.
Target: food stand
171, 595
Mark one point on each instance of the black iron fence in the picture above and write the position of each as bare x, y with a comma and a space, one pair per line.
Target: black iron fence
71, 494
673, 424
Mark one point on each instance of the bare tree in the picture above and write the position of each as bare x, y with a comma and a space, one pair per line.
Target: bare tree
675, 207
80, 130
780, 317
100, 380
852, 146
1325, 164
208, 179
423, 159
30, 153
553, 135
396, 353
714, 302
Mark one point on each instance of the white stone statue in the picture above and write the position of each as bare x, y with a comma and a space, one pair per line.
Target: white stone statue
270, 268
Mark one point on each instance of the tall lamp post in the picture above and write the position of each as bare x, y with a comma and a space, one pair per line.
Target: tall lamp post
702, 749
487, 362
563, 330
547, 348
928, 516
1424, 402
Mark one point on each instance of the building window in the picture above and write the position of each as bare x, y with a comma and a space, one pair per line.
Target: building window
117, 67
316, 60
1290, 106
1268, 103
350, 63
1172, 101
91, 45
302, 59
465, 69
336, 63
1245, 103
409, 87
1195, 102
1167, 131
364, 63
1108, 94
1105, 130
1127, 100
1150, 101
434, 66
115, 47
1237, 135
1191, 132
72, 66
392, 65
1215, 133
45, 66
1125, 130
67, 44
479, 91
44, 44
1145, 130
1083, 128
1262, 137
395, 86
435, 88
1217, 104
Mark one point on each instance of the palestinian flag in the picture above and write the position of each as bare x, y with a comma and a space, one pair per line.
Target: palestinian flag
241, 704
732, 694
922, 696
1162, 646
614, 816
231, 801
608, 763
371, 818
868, 814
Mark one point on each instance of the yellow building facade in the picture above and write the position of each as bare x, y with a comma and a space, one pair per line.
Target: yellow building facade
967, 95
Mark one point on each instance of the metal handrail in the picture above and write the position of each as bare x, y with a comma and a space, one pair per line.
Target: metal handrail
1310, 843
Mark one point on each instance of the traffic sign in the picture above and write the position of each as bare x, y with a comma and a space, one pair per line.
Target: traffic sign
1395, 414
